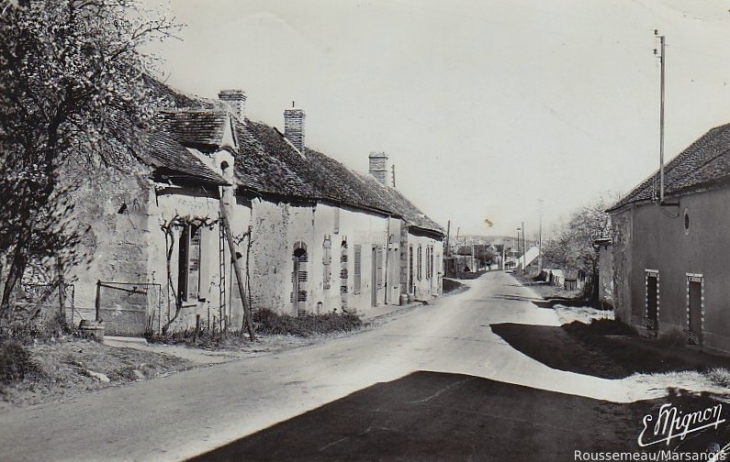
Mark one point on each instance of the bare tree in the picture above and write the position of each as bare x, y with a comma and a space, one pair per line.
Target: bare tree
573, 248
72, 87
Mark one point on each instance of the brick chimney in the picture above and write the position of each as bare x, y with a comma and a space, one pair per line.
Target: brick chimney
236, 99
379, 166
294, 127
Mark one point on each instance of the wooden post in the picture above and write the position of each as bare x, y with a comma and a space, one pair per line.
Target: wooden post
61, 289
448, 231
98, 299
197, 328
237, 268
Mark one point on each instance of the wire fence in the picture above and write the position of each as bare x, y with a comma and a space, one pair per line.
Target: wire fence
39, 302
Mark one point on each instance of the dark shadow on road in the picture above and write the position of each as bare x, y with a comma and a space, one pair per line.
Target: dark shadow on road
604, 348
514, 298
430, 416
544, 304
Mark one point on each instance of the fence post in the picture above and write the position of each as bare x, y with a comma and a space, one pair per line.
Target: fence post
61, 288
98, 299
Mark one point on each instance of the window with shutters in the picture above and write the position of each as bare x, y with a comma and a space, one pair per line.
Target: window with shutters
357, 269
379, 266
299, 275
419, 263
189, 258
327, 263
428, 261
343, 267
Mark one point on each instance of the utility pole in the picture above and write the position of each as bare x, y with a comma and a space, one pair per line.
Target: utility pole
448, 231
524, 249
517, 255
504, 245
661, 115
539, 243
456, 259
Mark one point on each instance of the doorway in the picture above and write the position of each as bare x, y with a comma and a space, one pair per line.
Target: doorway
652, 300
377, 274
694, 309
299, 277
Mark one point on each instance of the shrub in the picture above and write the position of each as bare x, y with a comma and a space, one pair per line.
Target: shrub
205, 338
265, 322
16, 363
268, 322
719, 376
28, 332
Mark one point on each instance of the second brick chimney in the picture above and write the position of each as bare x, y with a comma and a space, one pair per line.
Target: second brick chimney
294, 127
379, 166
236, 99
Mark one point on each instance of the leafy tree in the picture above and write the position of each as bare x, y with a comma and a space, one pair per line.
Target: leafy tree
573, 249
72, 90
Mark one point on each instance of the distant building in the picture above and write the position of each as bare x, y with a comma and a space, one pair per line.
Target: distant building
604, 247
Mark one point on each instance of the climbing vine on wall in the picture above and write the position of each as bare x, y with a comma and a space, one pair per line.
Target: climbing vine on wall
168, 228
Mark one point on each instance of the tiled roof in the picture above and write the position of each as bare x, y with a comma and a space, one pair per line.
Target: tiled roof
158, 149
196, 127
704, 164
175, 98
173, 161
267, 164
400, 204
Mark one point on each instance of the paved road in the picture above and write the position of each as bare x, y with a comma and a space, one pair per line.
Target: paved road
180, 416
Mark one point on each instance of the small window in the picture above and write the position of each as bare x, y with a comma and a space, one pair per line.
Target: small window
686, 221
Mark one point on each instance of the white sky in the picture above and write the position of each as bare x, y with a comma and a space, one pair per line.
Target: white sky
483, 106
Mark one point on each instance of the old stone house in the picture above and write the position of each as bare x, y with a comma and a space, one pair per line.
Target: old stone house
670, 269
315, 236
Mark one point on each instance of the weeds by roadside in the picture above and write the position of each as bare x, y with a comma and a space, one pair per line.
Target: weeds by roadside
45, 360
266, 322
16, 363
720, 376
269, 322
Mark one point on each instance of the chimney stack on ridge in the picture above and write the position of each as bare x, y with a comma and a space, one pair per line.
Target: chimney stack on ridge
379, 166
236, 99
294, 127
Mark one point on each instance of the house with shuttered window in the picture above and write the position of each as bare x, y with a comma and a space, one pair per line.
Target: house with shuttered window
670, 273
314, 235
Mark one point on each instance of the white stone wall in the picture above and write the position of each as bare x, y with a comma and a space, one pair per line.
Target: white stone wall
112, 209
427, 286
189, 205
278, 227
130, 247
